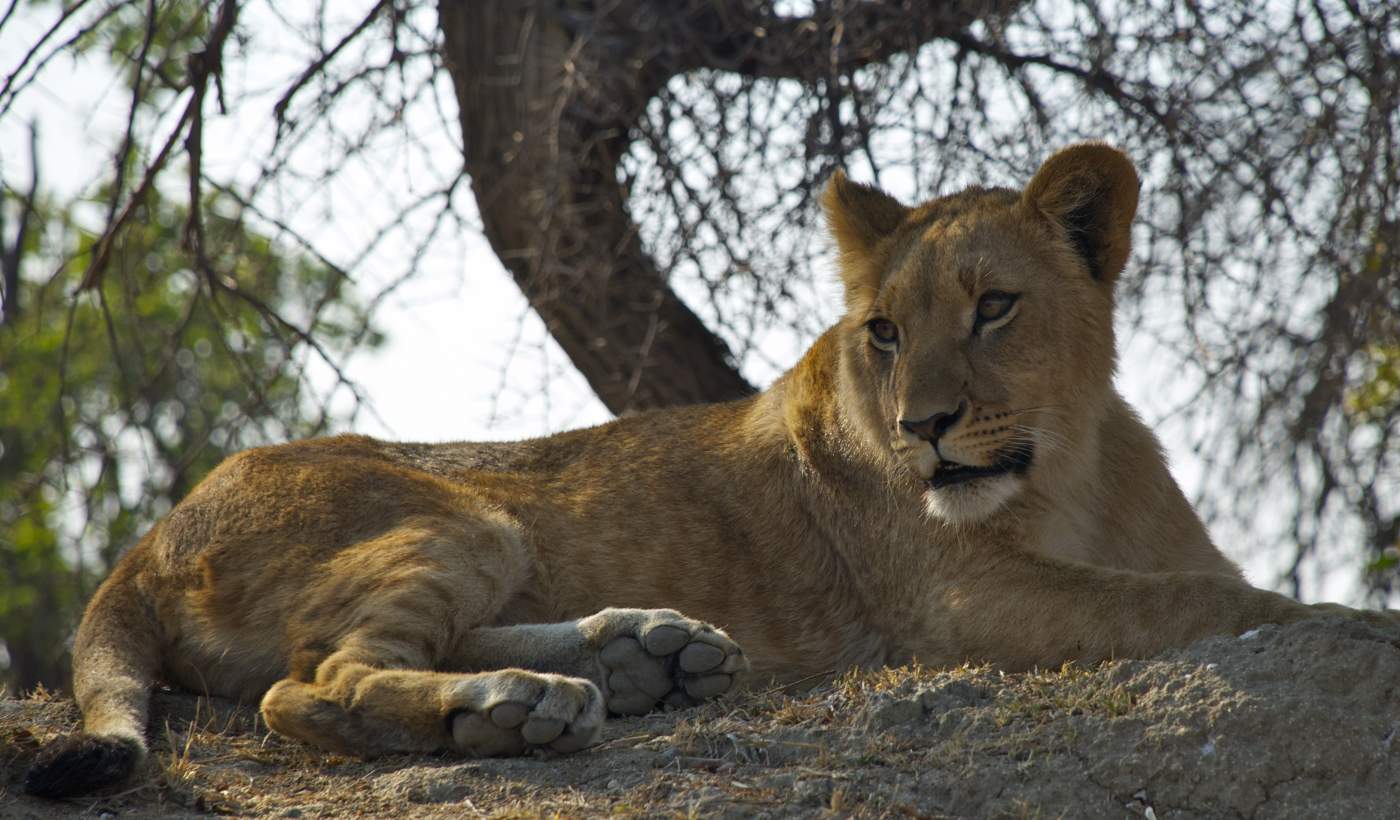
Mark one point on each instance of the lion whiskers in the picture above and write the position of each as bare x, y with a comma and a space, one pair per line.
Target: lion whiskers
1052, 441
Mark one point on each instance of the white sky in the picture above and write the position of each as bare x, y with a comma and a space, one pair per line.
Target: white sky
451, 327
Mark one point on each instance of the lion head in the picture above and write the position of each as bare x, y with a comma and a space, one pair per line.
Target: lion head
977, 348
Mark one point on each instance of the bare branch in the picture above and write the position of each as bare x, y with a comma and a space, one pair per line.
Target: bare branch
318, 66
12, 255
204, 66
747, 38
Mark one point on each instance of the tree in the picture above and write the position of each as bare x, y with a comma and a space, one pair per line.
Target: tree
646, 170
546, 148
118, 391
113, 404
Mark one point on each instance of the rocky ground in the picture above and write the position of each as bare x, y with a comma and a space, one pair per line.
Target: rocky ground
1300, 721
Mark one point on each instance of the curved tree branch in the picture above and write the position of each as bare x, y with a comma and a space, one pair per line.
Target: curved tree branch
747, 38
544, 126
549, 93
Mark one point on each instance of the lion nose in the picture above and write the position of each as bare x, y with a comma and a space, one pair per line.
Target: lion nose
933, 427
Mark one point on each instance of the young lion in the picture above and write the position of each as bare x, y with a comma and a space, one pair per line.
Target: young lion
948, 474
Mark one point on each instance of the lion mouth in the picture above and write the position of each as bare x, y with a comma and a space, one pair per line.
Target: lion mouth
951, 472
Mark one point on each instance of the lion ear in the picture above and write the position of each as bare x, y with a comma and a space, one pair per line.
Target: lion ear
1091, 192
859, 217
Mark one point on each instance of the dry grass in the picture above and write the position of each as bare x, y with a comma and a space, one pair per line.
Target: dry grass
765, 748
881, 743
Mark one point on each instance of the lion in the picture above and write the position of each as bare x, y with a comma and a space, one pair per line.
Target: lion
947, 475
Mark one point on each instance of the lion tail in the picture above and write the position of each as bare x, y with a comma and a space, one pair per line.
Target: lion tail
115, 659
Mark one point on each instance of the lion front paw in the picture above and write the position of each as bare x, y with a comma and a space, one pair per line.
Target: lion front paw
1385, 618
654, 656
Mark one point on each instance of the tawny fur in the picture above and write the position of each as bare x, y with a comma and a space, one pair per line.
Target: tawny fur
375, 579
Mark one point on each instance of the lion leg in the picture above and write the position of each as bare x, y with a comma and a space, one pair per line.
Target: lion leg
376, 626
355, 706
639, 658
1022, 610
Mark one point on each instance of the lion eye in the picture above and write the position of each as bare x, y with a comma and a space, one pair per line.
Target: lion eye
994, 305
883, 333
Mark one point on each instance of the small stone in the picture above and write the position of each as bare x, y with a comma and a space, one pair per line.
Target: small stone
666, 758
952, 695
887, 712
815, 792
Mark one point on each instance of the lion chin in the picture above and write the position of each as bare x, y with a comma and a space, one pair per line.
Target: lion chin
969, 493
971, 501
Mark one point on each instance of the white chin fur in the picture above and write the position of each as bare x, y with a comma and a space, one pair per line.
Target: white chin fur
971, 502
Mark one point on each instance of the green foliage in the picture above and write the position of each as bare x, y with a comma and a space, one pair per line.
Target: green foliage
1387, 562
114, 402
1378, 395
179, 29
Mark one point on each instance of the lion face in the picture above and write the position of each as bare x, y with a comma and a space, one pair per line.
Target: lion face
977, 346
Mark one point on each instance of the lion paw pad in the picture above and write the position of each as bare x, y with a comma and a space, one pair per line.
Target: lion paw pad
525, 710
667, 658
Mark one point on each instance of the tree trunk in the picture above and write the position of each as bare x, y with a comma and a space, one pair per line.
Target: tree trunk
549, 93
543, 139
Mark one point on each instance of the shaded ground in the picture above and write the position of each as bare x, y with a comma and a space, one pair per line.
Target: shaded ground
1300, 721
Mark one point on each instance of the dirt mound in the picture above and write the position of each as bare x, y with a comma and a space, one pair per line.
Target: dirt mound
1299, 721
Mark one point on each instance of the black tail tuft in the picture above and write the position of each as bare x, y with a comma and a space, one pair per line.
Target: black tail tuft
81, 763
